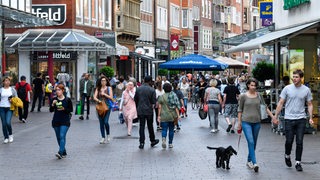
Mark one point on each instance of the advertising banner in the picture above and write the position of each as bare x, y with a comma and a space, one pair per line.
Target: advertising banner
174, 42
265, 9
296, 60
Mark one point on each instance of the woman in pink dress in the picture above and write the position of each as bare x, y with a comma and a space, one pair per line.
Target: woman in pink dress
129, 106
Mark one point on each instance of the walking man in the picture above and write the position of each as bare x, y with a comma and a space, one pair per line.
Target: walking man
145, 99
294, 97
38, 86
86, 92
23, 89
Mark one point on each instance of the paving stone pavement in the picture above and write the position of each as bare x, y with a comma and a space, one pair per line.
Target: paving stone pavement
31, 155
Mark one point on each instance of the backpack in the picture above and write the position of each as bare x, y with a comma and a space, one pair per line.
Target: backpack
22, 92
48, 88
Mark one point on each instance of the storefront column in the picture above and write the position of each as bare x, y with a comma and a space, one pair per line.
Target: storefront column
82, 67
50, 65
277, 63
25, 65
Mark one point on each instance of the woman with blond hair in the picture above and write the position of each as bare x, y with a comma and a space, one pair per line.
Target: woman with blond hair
129, 106
6, 93
213, 98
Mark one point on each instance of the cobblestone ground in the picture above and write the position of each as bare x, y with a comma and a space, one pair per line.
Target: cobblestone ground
31, 155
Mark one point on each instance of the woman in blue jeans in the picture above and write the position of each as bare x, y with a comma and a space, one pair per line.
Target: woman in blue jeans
62, 108
168, 110
249, 119
103, 92
6, 92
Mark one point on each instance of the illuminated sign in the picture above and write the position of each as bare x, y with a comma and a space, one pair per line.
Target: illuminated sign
289, 4
265, 10
52, 12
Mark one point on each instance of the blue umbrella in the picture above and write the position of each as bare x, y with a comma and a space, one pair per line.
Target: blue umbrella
194, 62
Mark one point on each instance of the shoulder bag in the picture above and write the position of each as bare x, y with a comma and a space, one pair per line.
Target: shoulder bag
102, 108
175, 118
263, 108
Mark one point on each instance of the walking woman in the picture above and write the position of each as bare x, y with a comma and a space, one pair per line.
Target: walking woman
6, 93
62, 108
103, 92
249, 119
169, 106
129, 106
213, 99
159, 92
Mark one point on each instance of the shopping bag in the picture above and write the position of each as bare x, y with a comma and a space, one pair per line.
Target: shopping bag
78, 108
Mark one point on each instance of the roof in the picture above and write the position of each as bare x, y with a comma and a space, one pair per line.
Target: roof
58, 40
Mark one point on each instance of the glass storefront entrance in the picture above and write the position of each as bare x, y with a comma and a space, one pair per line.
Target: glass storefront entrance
64, 68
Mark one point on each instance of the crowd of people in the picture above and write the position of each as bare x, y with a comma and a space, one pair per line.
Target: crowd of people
235, 97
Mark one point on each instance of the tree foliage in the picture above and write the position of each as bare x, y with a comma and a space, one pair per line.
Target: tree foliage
263, 71
108, 71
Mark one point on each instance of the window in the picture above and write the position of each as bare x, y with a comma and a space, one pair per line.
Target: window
196, 13
207, 39
146, 32
94, 13
185, 18
162, 18
146, 6
203, 8
175, 16
209, 9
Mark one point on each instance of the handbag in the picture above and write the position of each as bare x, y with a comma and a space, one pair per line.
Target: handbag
263, 109
102, 108
205, 108
202, 114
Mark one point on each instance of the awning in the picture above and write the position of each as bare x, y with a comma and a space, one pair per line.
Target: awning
258, 42
14, 18
145, 57
245, 37
231, 62
122, 50
59, 40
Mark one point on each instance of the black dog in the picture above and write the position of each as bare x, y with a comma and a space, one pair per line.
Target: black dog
223, 155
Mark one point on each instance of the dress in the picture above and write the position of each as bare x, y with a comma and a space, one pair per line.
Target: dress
129, 106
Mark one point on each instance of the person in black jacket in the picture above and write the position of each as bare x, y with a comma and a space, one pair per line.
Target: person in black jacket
62, 108
145, 99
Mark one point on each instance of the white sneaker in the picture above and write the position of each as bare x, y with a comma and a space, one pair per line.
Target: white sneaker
108, 138
170, 146
10, 138
250, 165
213, 131
102, 141
6, 141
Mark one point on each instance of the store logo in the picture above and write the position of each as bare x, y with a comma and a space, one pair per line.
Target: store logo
52, 12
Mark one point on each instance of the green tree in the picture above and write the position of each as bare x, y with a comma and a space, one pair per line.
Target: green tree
263, 71
108, 71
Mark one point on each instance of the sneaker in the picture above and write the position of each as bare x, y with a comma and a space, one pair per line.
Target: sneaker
229, 127
232, 131
23, 120
102, 141
81, 117
298, 167
6, 141
153, 143
164, 145
170, 146
64, 154
87, 118
59, 156
141, 145
288, 161
108, 138
255, 168
10, 138
250, 165
213, 131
